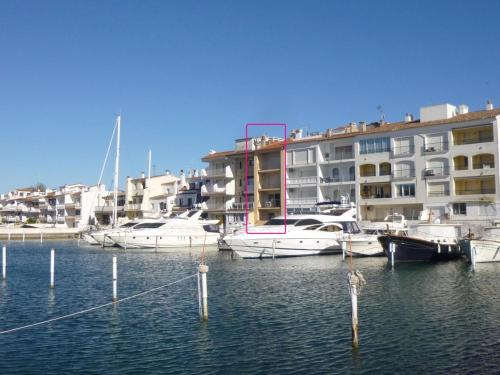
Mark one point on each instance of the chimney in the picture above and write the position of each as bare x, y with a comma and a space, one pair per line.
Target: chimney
489, 105
142, 174
362, 126
167, 172
298, 133
211, 152
408, 117
463, 109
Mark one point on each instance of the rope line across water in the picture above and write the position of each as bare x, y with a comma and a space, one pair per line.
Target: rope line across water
96, 307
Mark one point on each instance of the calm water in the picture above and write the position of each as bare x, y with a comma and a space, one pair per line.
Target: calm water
288, 316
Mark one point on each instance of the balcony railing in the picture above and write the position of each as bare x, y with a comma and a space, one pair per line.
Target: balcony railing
483, 165
437, 172
302, 180
435, 147
241, 206
216, 172
471, 140
403, 173
382, 195
302, 201
474, 191
461, 167
274, 203
403, 150
330, 179
212, 190
444, 193
72, 205
133, 207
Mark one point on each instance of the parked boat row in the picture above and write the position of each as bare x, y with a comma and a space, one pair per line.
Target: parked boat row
185, 230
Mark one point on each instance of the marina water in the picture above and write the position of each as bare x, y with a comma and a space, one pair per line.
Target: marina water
289, 316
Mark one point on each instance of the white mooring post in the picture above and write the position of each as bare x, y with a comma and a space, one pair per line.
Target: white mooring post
203, 270
473, 257
274, 248
24, 236
156, 244
52, 266
8, 237
115, 279
4, 262
344, 246
392, 250
41, 237
125, 240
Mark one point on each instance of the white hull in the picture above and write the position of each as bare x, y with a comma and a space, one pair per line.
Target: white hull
263, 247
138, 240
366, 246
485, 251
89, 239
102, 238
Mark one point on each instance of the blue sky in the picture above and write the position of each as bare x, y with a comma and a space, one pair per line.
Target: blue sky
188, 75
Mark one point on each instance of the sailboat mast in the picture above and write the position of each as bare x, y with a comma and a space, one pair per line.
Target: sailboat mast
149, 167
117, 166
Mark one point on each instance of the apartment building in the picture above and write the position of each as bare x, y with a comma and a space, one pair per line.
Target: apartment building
71, 206
150, 196
229, 178
104, 211
443, 165
189, 193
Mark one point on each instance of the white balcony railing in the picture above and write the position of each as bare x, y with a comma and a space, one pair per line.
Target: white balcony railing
212, 189
132, 207
303, 180
241, 206
302, 201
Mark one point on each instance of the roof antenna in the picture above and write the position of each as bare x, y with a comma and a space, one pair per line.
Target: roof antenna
382, 114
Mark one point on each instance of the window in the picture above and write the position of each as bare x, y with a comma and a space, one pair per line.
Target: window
406, 190
459, 209
241, 164
307, 222
370, 146
352, 173
330, 228
250, 162
335, 174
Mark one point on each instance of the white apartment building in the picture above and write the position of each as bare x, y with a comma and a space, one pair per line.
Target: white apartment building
444, 165
150, 196
189, 192
71, 206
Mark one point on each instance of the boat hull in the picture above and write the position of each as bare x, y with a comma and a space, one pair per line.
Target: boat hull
137, 240
408, 249
485, 251
264, 248
364, 247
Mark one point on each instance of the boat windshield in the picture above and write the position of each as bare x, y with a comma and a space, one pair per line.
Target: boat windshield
281, 222
350, 227
128, 225
313, 227
303, 222
213, 228
148, 225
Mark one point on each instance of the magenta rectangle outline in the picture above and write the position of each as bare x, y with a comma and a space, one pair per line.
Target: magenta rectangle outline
246, 174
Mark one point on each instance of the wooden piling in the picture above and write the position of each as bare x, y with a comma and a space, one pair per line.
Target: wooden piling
115, 279
203, 270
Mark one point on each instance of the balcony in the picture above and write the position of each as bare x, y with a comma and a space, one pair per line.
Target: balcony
302, 181
133, 207
305, 201
108, 209
270, 204
459, 191
138, 193
219, 172
212, 190
403, 174
72, 205
436, 172
435, 147
403, 150
477, 134
444, 193
241, 207
335, 179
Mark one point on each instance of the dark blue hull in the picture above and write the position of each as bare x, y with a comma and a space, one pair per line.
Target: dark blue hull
416, 249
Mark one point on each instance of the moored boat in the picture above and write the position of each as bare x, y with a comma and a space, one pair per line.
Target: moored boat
425, 242
485, 249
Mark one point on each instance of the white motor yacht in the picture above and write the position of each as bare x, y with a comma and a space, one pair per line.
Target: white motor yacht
366, 243
180, 231
310, 234
485, 249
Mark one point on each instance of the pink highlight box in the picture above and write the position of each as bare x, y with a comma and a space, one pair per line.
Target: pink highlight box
246, 174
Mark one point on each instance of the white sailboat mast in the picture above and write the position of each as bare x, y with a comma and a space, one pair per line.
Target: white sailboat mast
117, 167
149, 166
